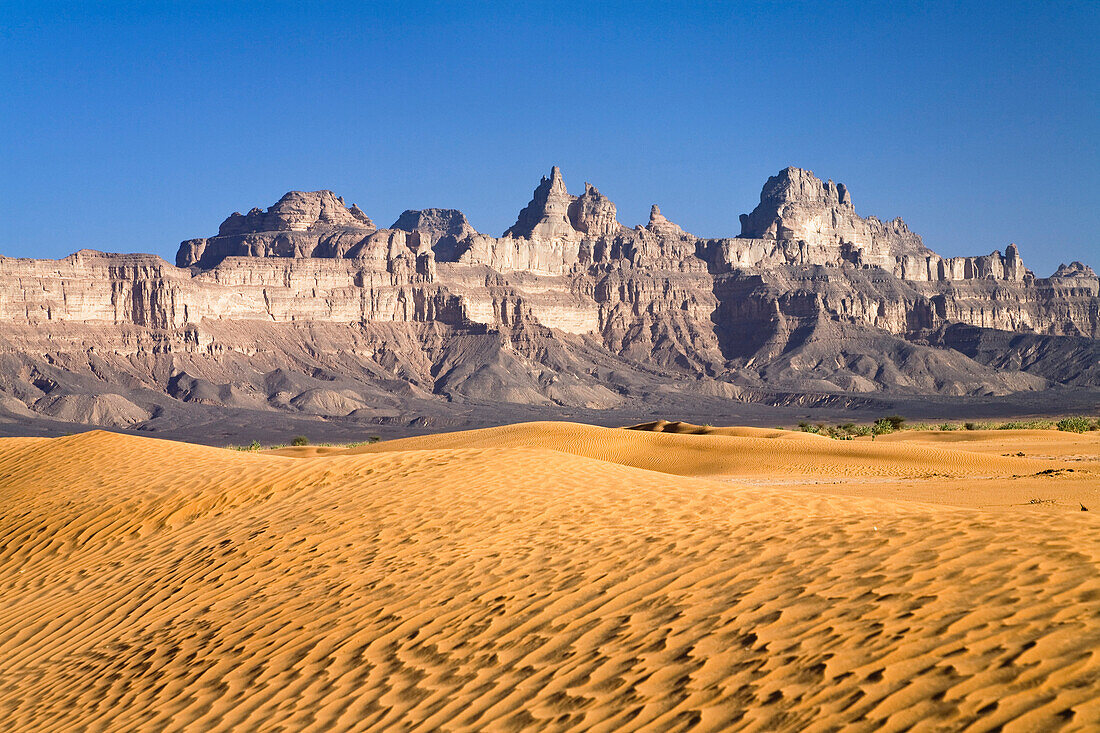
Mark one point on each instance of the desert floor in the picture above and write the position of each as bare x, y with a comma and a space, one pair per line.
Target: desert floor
550, 576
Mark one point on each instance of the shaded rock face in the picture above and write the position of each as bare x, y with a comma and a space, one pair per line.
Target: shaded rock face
568, 308
1073, 270
435, 223
444, 231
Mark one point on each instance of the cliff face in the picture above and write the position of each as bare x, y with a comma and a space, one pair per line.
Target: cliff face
801, 222
568, 307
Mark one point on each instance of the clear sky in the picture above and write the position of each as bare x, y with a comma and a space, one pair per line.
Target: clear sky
130, 127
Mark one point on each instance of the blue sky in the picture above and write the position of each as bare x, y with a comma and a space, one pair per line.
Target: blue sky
130, 127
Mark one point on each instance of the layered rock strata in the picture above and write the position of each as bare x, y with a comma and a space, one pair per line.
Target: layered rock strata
568, 307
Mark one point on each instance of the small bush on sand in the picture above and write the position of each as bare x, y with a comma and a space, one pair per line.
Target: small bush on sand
300, 440
1075, 424
254, 445
897, 421
882, 427
1026, 425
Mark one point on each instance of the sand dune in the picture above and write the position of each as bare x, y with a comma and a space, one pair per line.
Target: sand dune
757, 452
540, 577
1034, 443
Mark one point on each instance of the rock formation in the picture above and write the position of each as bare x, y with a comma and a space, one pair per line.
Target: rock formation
568, 308
797, 206
547, 214
593, 215
300, 224
298, 211
1072, 270
661, 226
443, 231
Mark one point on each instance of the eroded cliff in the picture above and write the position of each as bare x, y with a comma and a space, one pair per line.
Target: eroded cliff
568, 307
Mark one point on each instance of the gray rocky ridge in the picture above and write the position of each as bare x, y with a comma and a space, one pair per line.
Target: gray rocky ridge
309, 308
1074, 269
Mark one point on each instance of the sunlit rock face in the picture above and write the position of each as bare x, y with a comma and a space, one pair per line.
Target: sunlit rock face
568, 307
300, 224
298, 211
592, 214
590, 273
797, 206
547, 215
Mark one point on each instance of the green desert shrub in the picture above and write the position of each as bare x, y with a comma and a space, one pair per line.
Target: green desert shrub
1026, 425
882, 427
300, 440
254, 445
897, 421
372, 439
1075, 424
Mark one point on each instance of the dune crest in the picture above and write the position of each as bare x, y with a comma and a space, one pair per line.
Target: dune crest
732, 452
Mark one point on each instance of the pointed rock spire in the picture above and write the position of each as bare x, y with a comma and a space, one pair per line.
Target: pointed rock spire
658, 224
547, 215
557, 185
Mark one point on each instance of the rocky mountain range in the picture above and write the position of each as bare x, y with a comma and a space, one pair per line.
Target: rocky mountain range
308, 310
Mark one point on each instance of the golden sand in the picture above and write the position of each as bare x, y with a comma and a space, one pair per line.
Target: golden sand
552, 576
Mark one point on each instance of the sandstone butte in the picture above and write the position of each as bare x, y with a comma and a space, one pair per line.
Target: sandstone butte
309, 308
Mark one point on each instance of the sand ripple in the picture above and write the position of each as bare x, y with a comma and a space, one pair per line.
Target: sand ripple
150, 585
